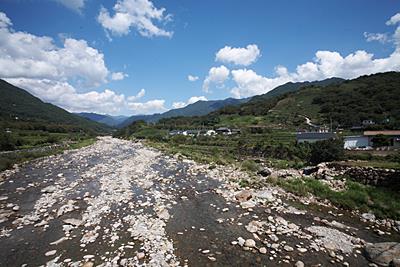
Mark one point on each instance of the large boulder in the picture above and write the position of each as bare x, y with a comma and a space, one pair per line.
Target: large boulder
310, 170
265, 172
244, 195
383, 254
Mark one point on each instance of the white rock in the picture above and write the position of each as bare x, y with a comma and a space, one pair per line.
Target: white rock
262, 250
49, 189
50, 253
241, 241
250, 243
302, 250
368, 216
288, 248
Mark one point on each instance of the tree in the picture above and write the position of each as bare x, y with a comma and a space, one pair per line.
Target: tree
381, 140
6, 142
326, 150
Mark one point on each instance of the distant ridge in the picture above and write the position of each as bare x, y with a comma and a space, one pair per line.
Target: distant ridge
106, 119
196, 109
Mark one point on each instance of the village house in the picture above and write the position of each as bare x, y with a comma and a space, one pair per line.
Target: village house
356, 141
223, 130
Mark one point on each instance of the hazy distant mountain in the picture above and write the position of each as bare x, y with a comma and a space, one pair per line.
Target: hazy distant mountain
106, 119
20, 109
196, 109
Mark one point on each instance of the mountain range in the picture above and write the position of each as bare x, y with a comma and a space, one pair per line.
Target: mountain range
201, 107
106, 119
196, 109
18, 107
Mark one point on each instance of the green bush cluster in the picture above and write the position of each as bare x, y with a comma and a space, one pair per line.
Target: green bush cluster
7, 142
382, 202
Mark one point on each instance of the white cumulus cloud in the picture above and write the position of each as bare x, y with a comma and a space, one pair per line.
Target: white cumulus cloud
239, 56
140, 15
394, 19
66, 96
191, 100
75, 5
192, 78
117, 76
149, 107
51, 72
326, 64
139, 95
249, 83
217, 76
379, 37
34, 56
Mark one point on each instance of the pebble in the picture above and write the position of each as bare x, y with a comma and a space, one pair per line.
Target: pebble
50, 253
302, 250
299, 264
262, 250
288, 248
87, 257
212, 258
140, 255
250, 243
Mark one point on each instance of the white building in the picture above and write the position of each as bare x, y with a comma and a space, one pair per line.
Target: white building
359, 141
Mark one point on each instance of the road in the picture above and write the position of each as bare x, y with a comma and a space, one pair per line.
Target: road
119, 203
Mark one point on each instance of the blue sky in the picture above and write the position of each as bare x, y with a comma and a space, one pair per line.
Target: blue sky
231, 48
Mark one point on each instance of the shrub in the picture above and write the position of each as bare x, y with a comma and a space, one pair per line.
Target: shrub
51, 139
6, 142
381, 140
326, 150
250, 165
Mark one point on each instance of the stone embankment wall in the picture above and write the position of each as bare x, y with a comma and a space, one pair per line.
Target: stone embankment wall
370, 176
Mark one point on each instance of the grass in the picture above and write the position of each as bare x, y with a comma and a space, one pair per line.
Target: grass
217, 155
82, 143
284, 164
249, 165
7, 161
374, 163
384, 203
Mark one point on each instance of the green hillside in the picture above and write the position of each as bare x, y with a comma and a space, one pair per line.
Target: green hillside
344, 103
21, 110
292, 87
374, 97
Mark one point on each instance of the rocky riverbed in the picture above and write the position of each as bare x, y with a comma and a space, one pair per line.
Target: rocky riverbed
119, 203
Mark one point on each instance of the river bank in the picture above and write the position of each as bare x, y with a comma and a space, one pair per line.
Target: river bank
121, 203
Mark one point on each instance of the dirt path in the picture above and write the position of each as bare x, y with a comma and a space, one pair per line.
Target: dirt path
118, 203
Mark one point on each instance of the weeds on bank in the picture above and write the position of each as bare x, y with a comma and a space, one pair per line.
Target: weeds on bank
7, 161
384, 203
